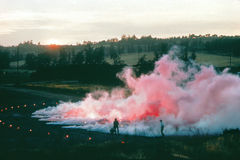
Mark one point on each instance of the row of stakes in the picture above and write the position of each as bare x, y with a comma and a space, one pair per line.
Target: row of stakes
4, 109
18, 128
66, 136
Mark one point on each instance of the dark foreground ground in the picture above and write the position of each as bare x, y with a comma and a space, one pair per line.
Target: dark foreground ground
22, 137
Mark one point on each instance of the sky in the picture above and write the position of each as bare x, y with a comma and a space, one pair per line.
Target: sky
73, 21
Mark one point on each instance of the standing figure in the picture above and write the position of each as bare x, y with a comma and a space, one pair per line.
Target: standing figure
116, 126
162, 127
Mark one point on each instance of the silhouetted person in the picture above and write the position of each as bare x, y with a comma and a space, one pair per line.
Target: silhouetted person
116, 125
162, 127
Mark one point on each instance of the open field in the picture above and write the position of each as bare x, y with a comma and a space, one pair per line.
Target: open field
202, 58
217, 60
14, 63
51, 142
132, 58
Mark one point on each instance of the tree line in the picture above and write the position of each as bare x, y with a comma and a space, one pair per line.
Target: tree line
74, 61
37, 55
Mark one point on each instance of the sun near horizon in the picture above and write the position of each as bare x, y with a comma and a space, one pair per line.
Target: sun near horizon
53, 42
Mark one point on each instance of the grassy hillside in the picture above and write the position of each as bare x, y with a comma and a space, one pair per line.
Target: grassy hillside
132, 58
217, 60
202, 58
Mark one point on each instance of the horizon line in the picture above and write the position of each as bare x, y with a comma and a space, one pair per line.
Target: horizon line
84, 42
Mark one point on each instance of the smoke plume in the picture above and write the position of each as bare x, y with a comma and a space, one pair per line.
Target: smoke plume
190, 99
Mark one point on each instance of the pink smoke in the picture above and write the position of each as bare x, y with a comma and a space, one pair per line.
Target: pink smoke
199, 98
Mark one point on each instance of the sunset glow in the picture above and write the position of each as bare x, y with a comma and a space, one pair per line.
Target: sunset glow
52, 42
75, 21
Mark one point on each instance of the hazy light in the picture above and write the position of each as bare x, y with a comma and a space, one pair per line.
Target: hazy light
68, 22
53, 41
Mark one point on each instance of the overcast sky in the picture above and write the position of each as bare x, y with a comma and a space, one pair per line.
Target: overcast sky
71, 21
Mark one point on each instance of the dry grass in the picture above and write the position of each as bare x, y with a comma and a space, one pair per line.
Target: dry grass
215, 145
70, 86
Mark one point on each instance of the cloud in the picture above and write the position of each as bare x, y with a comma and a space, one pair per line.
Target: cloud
176, 98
